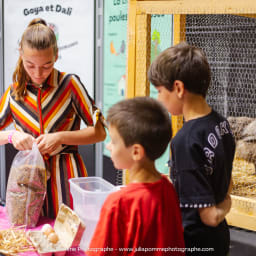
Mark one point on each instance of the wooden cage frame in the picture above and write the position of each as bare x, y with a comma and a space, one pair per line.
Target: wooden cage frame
243, 212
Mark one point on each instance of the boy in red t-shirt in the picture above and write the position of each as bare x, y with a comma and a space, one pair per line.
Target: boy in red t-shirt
142, 218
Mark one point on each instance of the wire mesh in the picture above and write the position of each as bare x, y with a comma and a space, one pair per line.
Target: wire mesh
229, 42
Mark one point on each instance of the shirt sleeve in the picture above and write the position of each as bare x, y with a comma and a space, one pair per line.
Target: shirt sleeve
107, 237
84, 104
194, 179
5, 111
195, 190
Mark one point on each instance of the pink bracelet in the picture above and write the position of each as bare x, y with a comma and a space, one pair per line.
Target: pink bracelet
10, 136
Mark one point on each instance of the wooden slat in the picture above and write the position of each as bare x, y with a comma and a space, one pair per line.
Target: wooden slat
253, 16
242, 213
125, 179
131, 60
138, 64
143, 38
241, 220
179, 23
197, 7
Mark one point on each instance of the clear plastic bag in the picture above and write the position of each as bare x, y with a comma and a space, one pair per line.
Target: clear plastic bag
26, 188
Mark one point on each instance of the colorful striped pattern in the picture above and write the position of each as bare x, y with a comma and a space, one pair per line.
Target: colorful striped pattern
58, 106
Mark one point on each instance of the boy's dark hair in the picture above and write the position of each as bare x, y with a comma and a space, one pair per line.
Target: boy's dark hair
182, 62
142, 120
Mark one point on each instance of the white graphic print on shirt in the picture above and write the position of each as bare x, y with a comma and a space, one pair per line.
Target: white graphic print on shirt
220, 130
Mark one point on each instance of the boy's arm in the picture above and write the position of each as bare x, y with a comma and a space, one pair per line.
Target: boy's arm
214, 215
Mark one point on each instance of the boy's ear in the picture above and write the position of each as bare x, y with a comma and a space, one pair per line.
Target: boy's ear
179, 88
138, 152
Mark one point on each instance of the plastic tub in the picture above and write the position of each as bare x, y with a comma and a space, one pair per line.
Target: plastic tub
89, 194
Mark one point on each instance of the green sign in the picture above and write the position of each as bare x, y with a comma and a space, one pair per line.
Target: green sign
115, 56
161, 38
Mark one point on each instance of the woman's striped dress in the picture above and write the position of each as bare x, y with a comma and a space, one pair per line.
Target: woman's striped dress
59, 105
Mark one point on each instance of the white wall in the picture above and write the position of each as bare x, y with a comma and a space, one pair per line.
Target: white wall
74, 22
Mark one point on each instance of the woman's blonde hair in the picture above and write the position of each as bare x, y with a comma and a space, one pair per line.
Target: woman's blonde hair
36, 36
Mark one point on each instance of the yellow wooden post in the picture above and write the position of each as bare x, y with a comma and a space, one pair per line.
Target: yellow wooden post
179, 23
143, 44
138, 61
131, 59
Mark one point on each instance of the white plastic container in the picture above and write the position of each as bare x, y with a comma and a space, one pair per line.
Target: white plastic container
89, 194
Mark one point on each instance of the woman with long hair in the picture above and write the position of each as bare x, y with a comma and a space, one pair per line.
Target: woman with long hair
46, 106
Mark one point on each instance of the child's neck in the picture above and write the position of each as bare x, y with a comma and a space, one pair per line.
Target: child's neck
144, 173
195, 107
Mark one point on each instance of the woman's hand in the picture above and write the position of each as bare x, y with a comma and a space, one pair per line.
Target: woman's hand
48, 143
22, 140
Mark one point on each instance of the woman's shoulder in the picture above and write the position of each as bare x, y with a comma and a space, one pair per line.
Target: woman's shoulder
70, 77
64, 79
60, 75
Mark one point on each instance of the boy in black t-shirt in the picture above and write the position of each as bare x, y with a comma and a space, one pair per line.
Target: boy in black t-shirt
202, 150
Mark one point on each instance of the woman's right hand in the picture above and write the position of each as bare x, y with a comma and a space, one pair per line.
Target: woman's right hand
22, 140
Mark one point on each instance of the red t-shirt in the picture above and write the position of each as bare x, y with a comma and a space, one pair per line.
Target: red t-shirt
140, 219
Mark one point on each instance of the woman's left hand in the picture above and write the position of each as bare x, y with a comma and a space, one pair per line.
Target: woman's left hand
48, 143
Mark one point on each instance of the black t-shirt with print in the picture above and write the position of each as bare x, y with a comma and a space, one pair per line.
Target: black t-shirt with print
201, 165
